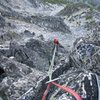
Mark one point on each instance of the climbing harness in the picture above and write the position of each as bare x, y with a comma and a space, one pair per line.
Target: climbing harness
51, 82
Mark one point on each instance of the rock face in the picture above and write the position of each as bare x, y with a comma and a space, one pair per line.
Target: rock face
86, 54
51, 22
2, 21
71, 8
27, 55
26, 30
13, 10
81, 76
18, 80
35, 53
82, 81
12, 68
27, 33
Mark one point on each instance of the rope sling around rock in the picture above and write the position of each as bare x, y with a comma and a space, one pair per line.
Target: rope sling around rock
51, 82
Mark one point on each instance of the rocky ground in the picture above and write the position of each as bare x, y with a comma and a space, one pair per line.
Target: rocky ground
27, 30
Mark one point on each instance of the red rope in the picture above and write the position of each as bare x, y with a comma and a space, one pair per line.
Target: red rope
46, 91
67, 89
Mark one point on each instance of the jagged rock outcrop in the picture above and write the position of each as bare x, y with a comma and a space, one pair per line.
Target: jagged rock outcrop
25, 49
2, 21
82, 81
51, 22
18, 80
82, 74
86, 54
71, 8
35, 53
27, 33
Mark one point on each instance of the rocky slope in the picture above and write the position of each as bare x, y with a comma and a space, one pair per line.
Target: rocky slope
27, 30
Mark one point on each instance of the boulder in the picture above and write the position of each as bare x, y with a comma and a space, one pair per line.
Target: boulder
82, 81
35, 53
20, 87
13, 68
18, 80
27, 33
2, 21
86, 54
51, 23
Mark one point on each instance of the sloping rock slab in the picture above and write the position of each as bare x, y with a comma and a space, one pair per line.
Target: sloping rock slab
35, 53
82, 81
86, 55
19, 79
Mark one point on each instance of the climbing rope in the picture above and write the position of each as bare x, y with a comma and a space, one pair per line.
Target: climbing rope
46, 91
52, 63
51, 82
67, 89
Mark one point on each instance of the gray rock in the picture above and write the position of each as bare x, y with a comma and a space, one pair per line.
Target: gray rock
28, 33
34, 2
2, 21
82, 81
86, 54
41, 37
51, 23
59, 69
95, 38
18, 80
26, 64
71, 8
30, 57
4, 51
18, 88
35, 53
13, 68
